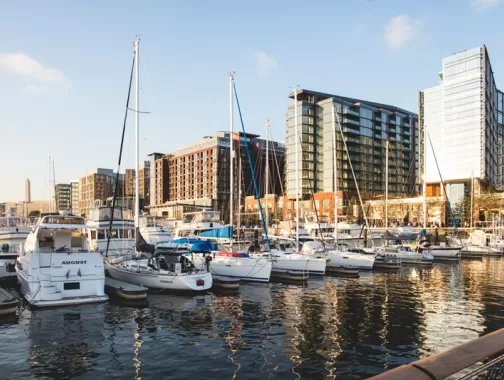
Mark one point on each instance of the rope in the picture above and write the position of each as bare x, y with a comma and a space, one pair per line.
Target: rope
116, 187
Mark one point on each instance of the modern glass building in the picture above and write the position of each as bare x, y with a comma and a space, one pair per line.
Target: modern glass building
461, 119
366, 128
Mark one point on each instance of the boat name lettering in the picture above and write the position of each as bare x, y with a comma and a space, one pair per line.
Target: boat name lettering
168, 282
73, 262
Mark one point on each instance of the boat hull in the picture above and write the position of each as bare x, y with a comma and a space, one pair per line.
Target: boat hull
66, 279
177, 282
242, 268
353, 260
299, 263
445, 254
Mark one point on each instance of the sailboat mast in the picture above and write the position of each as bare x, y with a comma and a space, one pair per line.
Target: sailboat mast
386, 181
472, 199
231, 155
424, 185
137, 136
238, 217
266, 189
50, 186
335, 171
296, 137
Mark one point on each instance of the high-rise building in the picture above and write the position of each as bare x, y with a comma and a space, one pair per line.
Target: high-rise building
366, 126
63, 196
129, 182
27, 191
199, 173
461, 121
97, 185
75, 197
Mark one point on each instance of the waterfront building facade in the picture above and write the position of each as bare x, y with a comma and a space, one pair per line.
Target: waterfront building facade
98, 184
63, 196
198, 174
366, 126
129, 182
75, 197
462, 123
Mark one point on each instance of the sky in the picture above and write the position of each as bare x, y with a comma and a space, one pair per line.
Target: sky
64, 70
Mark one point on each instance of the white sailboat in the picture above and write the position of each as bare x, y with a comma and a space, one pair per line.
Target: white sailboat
340, 256
56, 267
295, 263
160, 270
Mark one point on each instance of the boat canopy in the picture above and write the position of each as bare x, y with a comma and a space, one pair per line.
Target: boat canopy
222, 233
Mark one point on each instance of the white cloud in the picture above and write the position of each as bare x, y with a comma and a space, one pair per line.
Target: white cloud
32, 88
484, 4
399, 30
26, 67
265, 64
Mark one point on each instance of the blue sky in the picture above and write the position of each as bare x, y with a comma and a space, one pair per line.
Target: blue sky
64, 68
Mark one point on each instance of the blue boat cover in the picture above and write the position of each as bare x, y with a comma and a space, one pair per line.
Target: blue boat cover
223, 233
196, 244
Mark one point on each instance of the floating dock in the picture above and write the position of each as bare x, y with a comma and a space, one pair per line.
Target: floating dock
225, 283
342, 271
125, 291
466, 255
8, 303
289, 276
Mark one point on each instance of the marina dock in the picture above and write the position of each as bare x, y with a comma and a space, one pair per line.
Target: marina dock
125, 291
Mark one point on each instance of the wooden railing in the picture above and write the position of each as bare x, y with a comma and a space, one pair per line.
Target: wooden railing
446, 363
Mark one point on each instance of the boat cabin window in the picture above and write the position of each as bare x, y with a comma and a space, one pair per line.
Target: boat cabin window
101, 234
184, 233
93, 234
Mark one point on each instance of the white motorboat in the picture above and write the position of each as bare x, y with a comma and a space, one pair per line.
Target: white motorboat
406, 255
122, 237
13, 232
479, 242
169, 271
318, 230
153, 230
221, 262
56, 267
441, 251
203, 225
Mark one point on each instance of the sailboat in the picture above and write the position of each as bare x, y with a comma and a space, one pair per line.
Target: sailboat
402, 251
449, 251
285, 263
155, 267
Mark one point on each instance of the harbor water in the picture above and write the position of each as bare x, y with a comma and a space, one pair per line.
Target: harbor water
345, 328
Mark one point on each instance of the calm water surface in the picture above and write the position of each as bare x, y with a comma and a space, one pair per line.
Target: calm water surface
331, 328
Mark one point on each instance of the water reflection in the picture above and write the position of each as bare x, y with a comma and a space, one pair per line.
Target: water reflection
344, 328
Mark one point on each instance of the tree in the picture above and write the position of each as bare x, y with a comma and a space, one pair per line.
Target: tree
34, 213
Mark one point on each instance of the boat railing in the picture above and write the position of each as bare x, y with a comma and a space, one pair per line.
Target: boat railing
479, 358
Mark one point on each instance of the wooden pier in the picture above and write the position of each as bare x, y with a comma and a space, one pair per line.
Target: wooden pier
125, 291
452, 361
